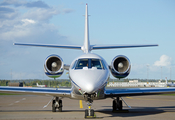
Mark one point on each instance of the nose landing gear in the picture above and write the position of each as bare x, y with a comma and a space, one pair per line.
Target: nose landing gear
89, 113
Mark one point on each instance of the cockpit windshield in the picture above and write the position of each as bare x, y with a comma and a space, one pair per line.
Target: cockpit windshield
89, 63
82, 63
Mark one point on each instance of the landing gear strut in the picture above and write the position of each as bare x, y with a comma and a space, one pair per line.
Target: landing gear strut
89, 113
57, 104
117, 104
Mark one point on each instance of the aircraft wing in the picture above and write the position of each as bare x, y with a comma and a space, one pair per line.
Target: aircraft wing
66, 66
137, 91
120, 46
57, 92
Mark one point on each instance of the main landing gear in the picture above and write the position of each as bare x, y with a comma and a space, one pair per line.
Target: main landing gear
117, 104
89, 113
57, 104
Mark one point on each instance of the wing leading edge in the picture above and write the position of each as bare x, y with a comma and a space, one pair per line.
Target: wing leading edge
137, 91
57, 92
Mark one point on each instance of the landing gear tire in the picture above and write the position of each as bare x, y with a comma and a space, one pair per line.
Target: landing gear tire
92, 112
117, 105
57, 104
114, 106
89, 113
86, 113
53, 106
60, 106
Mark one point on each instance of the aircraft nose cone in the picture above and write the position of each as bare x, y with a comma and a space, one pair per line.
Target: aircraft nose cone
89, 88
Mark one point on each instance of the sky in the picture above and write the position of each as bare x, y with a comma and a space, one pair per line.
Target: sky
113, 22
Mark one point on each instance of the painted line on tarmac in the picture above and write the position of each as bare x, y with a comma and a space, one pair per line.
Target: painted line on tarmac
17, 101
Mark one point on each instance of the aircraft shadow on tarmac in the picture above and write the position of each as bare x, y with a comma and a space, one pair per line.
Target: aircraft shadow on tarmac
138, 111
134, 111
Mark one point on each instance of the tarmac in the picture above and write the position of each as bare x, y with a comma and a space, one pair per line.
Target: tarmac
30, 107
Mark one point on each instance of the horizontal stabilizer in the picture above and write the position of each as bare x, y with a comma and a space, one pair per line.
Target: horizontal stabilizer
49, 45
93, 47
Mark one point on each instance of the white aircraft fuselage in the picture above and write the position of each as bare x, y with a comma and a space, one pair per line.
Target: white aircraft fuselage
89, 73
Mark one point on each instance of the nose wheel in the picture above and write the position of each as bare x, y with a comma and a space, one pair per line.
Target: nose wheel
57, 104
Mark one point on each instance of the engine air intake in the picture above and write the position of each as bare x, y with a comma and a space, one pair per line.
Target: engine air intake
120, 66
54, 66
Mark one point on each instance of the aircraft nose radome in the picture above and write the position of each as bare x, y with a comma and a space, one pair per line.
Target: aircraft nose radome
89, 88
91, 84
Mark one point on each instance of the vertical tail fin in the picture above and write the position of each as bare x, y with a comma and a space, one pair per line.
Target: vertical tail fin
86, 47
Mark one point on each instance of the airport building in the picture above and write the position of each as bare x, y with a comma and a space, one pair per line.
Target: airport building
136, 83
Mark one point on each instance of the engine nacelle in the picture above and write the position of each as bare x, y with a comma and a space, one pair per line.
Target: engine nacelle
120, 66
54, 66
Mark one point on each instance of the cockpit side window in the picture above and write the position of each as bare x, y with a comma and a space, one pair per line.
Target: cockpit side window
102, 62
75, 63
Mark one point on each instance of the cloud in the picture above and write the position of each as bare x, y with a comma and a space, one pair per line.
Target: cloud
17, 29
27, 22
18, 3
39, 4
13, 2
16, 25
29, 30
41, 14
164, 61
67, 10
7, 13
5, 10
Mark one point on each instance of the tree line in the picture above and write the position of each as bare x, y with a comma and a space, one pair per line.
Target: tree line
49, 83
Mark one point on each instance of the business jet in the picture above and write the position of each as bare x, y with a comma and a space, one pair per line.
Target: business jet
89, 74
